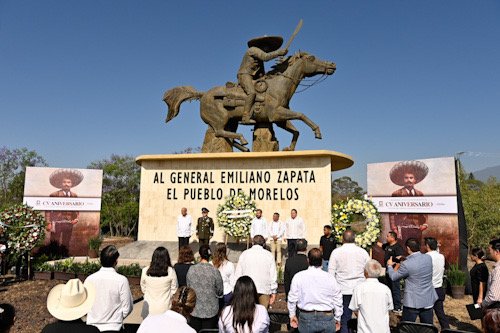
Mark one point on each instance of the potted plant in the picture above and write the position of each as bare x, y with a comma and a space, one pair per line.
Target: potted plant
94, 245
44, 271
456, 279
62, 270
132, 272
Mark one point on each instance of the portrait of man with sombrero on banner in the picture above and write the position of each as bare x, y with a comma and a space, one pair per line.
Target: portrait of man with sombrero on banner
408, 174
60, 223
417, 199
71, 202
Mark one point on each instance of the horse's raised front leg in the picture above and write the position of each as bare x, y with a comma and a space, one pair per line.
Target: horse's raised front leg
288, 126
283, 114
220, 133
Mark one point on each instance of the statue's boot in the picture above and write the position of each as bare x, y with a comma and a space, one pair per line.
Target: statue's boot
247, 111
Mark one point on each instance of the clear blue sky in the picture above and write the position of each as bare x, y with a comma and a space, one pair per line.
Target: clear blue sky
80, 80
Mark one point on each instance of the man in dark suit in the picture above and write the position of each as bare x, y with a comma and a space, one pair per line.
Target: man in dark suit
296, 264
419, 296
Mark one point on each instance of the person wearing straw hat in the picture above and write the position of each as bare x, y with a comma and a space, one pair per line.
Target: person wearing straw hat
260, 49
60, 223
408, 174
69, 303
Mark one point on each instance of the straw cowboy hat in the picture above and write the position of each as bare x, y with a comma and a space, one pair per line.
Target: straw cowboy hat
57, 177
70, 301
266, 43
417, 168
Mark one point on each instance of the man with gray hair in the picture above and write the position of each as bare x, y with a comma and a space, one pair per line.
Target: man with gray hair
372, 300
259, 264
347, 265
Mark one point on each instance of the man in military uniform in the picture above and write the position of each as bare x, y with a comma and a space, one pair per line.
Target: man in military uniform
252, 67
205, 227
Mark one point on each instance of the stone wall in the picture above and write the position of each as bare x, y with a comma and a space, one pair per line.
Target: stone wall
276, 181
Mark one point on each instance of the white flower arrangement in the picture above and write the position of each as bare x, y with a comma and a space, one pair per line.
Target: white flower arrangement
25, 228
235, 215
342, 216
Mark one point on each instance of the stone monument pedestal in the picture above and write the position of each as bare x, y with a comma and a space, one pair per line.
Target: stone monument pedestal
276, 181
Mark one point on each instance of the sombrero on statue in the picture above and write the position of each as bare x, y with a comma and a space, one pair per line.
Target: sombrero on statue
417, 168
57, 177
71, 301
266, 43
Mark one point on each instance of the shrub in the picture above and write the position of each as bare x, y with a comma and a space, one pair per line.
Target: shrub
455, 276
130, 270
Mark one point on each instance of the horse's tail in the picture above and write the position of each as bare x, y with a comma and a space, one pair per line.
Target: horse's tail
174, 97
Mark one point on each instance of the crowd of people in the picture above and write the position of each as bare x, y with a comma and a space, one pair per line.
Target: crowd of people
322, 291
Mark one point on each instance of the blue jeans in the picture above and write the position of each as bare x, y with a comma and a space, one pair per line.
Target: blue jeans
316, 322
411, 314
325, 265
395, 287
346, 315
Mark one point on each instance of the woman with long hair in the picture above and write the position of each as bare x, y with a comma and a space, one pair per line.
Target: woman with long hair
206, 281
183, 303
158, 283
185, 261
245, 315
478, 275
226, 269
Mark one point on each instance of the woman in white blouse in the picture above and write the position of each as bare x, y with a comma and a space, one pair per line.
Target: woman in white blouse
245, 311
226, 269
158, 283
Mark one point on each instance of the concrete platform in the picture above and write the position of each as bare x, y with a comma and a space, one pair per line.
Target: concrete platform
141, 251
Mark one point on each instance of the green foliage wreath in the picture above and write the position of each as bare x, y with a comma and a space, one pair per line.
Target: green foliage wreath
343, 215
24, 228
235, 215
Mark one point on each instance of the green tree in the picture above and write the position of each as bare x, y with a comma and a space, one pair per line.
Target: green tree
120, 199
345, 187
481, 203
13, 163
482, 208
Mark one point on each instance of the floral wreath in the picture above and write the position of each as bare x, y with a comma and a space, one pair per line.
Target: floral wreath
342, 217
24, 228
235, 215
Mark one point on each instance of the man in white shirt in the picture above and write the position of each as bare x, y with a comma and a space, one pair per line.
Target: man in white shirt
295, 228
317, 297
259, 264
276, 230
437, 280
372, 300
259, 225
347, 263
184, 227
113, 300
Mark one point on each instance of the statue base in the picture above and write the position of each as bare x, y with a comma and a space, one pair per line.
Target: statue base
276, 181
264, 139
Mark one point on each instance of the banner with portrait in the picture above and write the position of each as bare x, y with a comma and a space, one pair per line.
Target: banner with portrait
417, 199
71, 202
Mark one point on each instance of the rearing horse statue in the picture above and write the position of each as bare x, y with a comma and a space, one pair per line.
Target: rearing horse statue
222, 107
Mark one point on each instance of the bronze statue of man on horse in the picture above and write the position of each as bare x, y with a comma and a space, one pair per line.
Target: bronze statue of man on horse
260, 99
